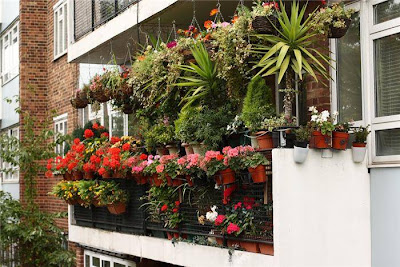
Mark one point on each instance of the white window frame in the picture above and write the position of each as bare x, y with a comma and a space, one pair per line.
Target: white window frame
10, 60
111, 113
14, 175
377, 31
333, 73
102, 257
60, 49
60, 120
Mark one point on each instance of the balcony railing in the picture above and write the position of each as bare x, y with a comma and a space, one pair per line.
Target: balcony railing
9, 256
90, 14
137, 221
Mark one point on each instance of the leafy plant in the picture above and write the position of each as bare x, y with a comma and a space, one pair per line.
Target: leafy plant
303, 134
322, 121
257, 104
160, 134
255, 159
67, 191
294, 51
87, 191
335, 15
361, 133
110, 193
275, 122
186, 125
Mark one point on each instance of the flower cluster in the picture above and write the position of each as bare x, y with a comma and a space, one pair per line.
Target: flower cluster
322, 121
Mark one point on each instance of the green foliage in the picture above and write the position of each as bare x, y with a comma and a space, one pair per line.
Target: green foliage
159, 135
252, 161
257, 104
34, 232
295, 47
361, 133
334, 15
303, 134
110, 193
186, 125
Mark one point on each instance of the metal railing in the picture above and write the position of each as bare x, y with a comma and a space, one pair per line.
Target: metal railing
90, 14
9, 256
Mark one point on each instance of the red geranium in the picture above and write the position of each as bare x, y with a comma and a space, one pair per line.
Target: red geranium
126, 147
232, 228
174, 210
219, 157
88, 133
115, 139
49, 174
177, 203
105, 135
143, 157
164, 207
219, 220
95, 126
102, 171
77, 141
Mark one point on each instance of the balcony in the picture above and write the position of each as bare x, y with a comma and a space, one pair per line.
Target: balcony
321, 217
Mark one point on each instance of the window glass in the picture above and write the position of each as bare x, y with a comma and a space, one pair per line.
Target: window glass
95, 262
387, 75
105, 263
348, 73
386, 11
60, 127
87, 261
117, 124
388, 142
60, 30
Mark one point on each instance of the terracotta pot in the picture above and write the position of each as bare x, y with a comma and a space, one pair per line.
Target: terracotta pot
96, 203
156, 180
267, 249
189, 180
188, 148
118, 174
340, 140
116, 208
220, 241
72, 202
170, 235
67, 176
106, 175
250, 246
258, 174
264, 140
140, 178
174, 182
77, 175
319, 140
225, 177
81, 202
359, 144
233, 243
88, 175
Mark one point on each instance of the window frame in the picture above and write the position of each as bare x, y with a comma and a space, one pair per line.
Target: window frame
60, 5
15, 174
378, 31
10, 61
104, 257
61, 119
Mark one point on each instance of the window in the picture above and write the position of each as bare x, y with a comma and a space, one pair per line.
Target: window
384, 51
10, 54
93, 259
12, 174
60, 28
60, 127
346, 85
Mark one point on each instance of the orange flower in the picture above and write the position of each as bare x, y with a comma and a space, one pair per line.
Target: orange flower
235, 18
208, 24
207, 37
141, 58
214, 12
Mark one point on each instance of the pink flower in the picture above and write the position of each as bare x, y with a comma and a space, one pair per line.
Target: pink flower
171, 44
137, 169
160, 168
238, 205
234, 152
181, 161
219, 220
232, 228
225, 24
149, 162
226, 149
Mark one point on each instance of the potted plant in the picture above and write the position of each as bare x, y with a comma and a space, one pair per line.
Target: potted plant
214, 166
158, 136
111, 165
281, 129
151, 172
255, 163
80, 99
359, 145
67, 191
86, 192
111, 195
300, 150
168, 169
323, 125
97, 89
264, 17
137, 164
257, 105
185, 128
340, 136
189, 167
333, 21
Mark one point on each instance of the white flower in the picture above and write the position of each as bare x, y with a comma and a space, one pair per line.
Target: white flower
212, 215
313, 109
314, 117
324, 115
335, 113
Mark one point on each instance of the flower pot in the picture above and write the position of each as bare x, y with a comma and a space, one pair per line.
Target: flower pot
162, 151
254, 142
250, 246
118, 175
267, 249
220, 241
199, 148
156, 180
264, 140
127, 108
258, 174
300, 154
77, 175
172, 149
340, 140
100, 96
139, 178
81, 202
189, 180
320, 140
72, 202
106, 175
233, 243
97, 203
117, 208
170, 235
225, 177
79, 102
67, 176
338, 32
177, 181
261, 24
88, 175
188, 148
359, 150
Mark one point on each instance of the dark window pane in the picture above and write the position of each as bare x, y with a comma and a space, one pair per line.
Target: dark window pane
388, 142
386, 11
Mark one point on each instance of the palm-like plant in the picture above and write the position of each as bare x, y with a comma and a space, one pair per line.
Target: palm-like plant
201, 78
293, 51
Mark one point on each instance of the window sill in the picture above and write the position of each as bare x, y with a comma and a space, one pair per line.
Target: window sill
56, 57
14, 181
9, 80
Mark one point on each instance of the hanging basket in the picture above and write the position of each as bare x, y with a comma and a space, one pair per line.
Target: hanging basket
127, 108
263, 25
100, 96
339, 32
116, 208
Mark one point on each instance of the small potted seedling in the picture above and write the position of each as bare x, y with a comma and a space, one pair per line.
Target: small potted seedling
360, 143
300, 150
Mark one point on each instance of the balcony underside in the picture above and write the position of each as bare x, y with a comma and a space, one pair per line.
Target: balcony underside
121, 33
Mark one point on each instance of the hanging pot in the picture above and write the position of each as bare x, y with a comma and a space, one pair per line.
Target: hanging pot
258, 174
359, 150
127, 108
117, 208
106, 175
300, 154
266, 249
72, 202
97, 203
261, 24
340, 140
156, 180
189, 180
250, 246
139, 178
188, 148
264, 140
172, 149
100, 96
225, 177
320, 140
338, 32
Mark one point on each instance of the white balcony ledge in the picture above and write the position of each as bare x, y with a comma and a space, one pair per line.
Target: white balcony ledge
321, 218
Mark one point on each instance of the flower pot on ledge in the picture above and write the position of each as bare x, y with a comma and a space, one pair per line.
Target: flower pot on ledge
117, 208
358, 152
250, 246
77, 175
156, 180
188, 148
258, 174
225, 177
88, 175
172, 149
300, 152
199, 148
266, 249
340, 140
319, 140
264, 140
140, 178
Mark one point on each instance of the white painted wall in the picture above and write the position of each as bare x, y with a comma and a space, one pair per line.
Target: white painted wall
321, 218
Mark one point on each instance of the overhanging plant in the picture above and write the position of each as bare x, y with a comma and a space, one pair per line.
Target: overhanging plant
295, 50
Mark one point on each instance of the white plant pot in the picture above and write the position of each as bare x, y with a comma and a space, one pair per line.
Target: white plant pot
199, 149
358, 154
172, 149
326, 153
254, 142
300, 154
